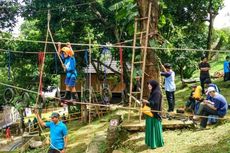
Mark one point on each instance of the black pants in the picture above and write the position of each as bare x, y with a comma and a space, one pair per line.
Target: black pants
202, 79
226, 76
54, 150
206, 111
171, 100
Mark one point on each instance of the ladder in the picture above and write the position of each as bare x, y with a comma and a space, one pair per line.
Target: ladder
144, 37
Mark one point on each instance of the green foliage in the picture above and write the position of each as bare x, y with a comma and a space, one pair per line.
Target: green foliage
9, 10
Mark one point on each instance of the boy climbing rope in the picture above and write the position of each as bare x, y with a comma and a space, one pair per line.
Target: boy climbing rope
67, 55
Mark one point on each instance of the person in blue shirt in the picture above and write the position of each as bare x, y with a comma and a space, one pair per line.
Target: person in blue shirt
58, 133
216, 105
227, 68
67, 55
208, 83
169, 85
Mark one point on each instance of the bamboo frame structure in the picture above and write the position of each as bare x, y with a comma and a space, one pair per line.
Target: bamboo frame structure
142, 62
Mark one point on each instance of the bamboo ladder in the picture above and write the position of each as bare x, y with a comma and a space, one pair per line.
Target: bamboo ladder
142, 61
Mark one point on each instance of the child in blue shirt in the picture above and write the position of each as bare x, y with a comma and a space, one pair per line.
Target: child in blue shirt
67, 55
227, 69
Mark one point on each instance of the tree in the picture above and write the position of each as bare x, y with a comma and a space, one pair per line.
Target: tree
152, 67
213, 8
9, 11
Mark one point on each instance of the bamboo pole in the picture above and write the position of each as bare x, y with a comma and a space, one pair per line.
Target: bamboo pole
132, 68
144, 58
90, 89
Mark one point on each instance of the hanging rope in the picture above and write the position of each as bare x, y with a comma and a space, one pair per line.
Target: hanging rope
9, 68
121, 63
55, 60
42, 60
105, 51
86, 55
53, 42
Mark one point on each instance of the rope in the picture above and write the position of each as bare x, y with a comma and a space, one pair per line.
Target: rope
121, 63
123, 46
51, 36
45, 10
55, 60
42, 69
119, 107
9, 61
24, 52
105, 51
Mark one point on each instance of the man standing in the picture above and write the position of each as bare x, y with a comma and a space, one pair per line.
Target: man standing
170, 85
204, 71
58, 133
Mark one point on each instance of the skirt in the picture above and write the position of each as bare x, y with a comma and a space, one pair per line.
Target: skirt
153, 133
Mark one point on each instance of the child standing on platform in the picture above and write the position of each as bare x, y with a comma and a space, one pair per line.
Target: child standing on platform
67, 55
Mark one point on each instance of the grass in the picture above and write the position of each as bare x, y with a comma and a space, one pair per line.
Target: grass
214, 140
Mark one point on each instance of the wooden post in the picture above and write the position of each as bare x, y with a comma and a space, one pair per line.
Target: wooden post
143, 61
132, 69
144, 56
90, 91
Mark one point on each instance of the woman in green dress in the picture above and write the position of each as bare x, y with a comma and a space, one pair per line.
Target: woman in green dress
153, 127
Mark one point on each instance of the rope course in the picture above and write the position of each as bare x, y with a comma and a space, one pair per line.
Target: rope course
109, 106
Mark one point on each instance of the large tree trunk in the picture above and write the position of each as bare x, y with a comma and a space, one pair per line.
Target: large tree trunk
212, 16
152, 65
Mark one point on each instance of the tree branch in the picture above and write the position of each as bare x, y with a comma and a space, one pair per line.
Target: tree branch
116, 72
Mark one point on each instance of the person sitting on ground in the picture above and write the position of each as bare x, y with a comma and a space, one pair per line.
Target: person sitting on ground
190, 104
58, 133
198, 98
67, 55
208, 83
227, 68
217, 105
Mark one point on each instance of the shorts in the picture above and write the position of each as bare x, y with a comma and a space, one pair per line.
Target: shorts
54, 150
71, 81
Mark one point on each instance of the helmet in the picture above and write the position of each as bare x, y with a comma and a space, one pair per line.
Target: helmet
68, 51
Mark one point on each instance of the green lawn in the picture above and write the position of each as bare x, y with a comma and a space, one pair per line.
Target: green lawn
214, 140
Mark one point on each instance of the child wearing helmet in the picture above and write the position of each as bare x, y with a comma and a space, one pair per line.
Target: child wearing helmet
67, 55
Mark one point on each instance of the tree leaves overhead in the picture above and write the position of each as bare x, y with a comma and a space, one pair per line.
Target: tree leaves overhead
8, 13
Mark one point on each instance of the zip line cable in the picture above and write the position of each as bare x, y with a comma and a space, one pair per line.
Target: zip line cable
121, 46
24, 52
57, 8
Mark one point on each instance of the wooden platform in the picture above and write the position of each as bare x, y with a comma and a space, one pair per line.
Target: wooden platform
167, 124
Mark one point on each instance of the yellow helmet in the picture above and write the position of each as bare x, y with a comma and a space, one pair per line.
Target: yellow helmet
68, 51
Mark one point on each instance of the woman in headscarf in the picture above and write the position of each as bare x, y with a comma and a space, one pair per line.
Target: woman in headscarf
153, 127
